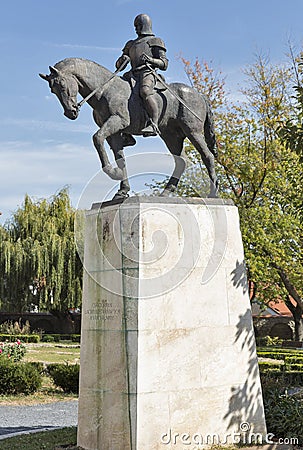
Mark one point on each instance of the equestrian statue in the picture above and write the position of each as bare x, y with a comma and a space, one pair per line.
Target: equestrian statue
140, 103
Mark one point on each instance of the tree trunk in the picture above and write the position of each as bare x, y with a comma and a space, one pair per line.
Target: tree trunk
297, 315
299, 330
297, 309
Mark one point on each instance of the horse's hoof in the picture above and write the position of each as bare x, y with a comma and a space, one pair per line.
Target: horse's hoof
120, 196
150, 130
165, 193
213, 195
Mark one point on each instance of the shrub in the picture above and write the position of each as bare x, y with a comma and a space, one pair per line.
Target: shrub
15, 351
65, 376
48, 338
38, 365
279, 379
65, 337
16, 327
283, 414
18, 378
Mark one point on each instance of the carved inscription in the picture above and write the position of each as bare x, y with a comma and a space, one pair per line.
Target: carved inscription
103, 311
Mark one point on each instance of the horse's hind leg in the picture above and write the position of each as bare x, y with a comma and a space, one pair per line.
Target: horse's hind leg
174, 143
198, 141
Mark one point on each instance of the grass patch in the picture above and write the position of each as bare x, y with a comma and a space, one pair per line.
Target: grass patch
47, 440
53, 353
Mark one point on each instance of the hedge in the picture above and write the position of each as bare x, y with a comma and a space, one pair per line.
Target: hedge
61, 337
35, 338
294, 359
280, 378
266, 365
290, 351
271, 355
293, 367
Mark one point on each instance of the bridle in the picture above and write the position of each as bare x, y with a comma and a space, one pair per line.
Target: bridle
101, 87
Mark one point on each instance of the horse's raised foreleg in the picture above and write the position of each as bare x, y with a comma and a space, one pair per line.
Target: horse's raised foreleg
116, 143
174, 144
113, 125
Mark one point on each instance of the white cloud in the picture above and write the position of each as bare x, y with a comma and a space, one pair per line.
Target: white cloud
33, 124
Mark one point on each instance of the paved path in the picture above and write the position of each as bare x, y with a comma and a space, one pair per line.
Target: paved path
24, 419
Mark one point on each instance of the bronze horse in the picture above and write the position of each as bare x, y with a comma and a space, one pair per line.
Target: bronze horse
119, 114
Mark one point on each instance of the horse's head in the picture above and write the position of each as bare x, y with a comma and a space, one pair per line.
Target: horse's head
65, 86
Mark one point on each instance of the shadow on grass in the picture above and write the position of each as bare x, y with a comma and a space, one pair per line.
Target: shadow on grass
6, 432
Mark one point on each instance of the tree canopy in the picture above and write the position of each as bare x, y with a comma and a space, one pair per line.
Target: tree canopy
291, 131
261, 174
39, 265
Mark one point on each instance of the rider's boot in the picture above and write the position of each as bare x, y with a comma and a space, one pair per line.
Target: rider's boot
151, 107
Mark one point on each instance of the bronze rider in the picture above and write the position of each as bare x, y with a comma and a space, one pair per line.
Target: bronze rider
145, 49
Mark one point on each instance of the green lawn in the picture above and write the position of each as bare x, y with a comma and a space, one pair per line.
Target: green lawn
53, 353
48, 440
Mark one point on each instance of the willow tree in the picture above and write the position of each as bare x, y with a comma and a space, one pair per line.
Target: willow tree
40, 268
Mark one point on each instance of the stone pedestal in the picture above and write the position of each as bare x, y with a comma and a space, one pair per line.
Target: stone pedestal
168, 357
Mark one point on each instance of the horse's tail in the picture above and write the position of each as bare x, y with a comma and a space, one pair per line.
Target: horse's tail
209, 129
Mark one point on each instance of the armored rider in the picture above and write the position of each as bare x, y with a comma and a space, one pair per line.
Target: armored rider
146, 49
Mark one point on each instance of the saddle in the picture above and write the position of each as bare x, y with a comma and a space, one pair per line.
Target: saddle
148, 129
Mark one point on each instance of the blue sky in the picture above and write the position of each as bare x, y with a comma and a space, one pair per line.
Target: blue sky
41, 151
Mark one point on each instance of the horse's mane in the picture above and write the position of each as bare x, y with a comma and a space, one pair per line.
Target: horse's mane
78, 65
